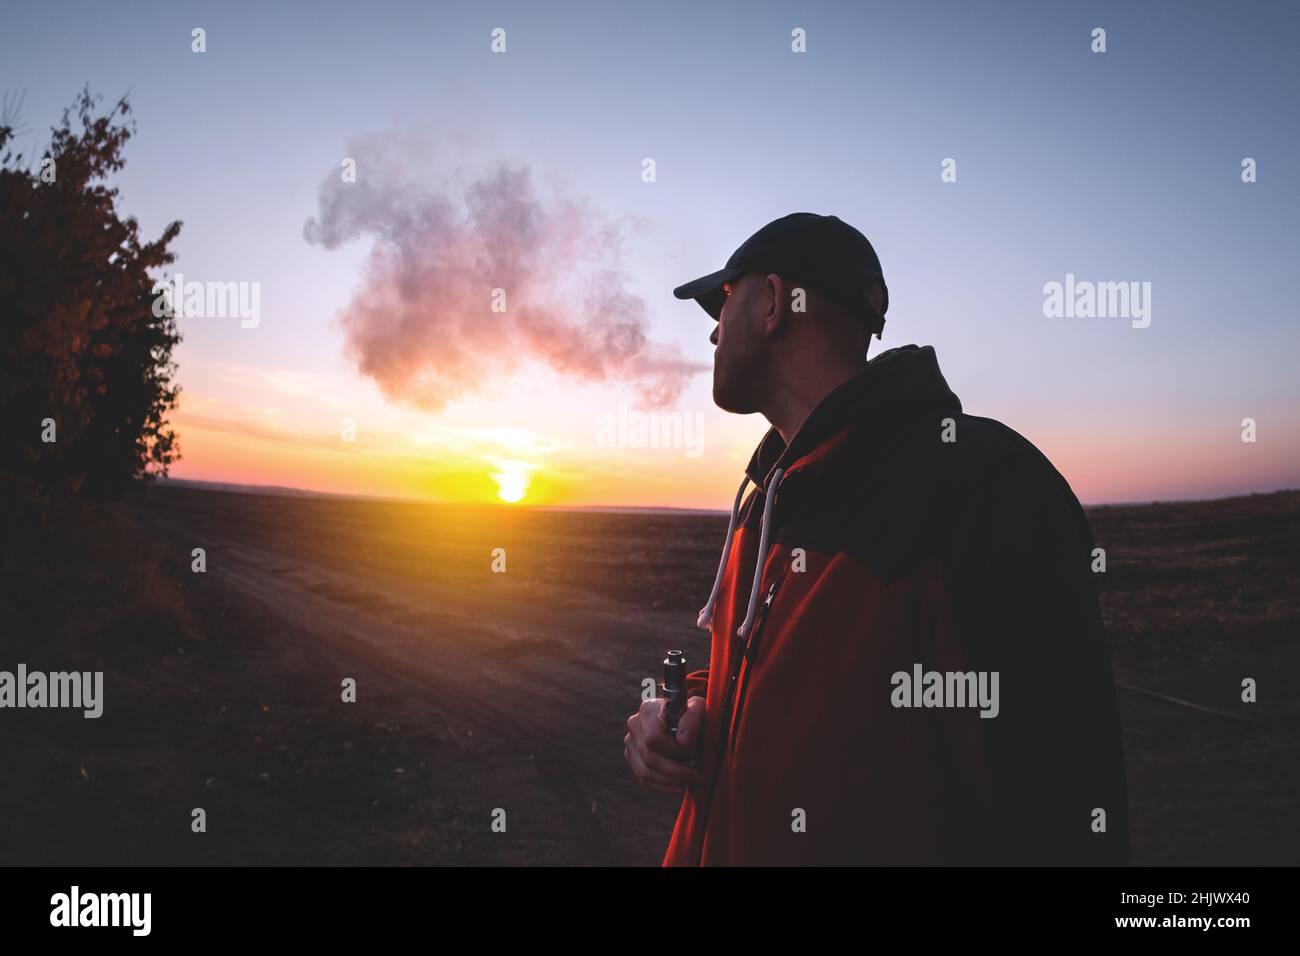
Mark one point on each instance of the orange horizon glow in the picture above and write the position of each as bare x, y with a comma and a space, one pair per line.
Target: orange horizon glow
1101, 469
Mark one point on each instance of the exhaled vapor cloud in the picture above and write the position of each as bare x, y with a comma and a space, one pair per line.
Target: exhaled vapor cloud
422, 323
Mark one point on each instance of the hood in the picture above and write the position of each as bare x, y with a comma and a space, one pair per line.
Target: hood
895, 386
893, 389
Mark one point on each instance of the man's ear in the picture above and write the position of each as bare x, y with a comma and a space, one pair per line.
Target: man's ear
776, 306
876, 297
874, 294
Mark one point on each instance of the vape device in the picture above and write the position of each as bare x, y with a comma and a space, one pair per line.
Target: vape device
674, 690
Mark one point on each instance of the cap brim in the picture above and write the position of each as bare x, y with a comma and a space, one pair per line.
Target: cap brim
707, 290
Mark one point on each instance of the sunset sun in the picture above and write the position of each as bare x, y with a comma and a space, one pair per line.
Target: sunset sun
512, 479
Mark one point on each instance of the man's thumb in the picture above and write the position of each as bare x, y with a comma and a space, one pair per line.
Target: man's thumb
690, 723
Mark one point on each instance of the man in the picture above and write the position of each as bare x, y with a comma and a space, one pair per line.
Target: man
908, 661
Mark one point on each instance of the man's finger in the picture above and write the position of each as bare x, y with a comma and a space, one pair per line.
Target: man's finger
645, 719
674, 771
648, 776
657, 739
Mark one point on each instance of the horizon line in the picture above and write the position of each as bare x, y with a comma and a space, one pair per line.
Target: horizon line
289, 491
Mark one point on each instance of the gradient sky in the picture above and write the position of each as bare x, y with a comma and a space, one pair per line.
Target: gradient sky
1115, 167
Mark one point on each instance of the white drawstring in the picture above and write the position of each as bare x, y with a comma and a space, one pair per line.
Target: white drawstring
705, 620
772, 484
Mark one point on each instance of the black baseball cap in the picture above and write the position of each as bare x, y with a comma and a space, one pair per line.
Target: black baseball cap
821, 253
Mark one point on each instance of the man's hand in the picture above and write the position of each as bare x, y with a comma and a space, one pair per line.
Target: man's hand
656, 759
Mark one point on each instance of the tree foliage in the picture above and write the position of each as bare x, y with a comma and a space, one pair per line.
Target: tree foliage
79, 341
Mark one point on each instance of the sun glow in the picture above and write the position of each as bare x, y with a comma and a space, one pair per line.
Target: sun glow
512, 478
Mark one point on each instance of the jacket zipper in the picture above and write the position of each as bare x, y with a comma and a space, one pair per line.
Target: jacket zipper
731, 709
750, 657
728, 708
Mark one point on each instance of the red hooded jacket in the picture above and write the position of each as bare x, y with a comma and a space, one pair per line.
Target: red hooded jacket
911, 555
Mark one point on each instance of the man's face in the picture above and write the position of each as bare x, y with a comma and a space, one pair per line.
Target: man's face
738, 366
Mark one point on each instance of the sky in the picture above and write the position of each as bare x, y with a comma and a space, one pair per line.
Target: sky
378, 366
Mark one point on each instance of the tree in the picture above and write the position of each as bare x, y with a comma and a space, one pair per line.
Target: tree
79, 342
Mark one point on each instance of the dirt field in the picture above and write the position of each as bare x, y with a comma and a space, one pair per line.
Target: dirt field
479, 691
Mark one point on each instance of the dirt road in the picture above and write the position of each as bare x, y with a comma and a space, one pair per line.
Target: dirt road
515, 669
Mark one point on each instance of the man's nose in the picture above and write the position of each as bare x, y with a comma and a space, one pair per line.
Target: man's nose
714, 337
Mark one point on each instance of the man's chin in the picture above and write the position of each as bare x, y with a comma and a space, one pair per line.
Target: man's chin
731, 403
